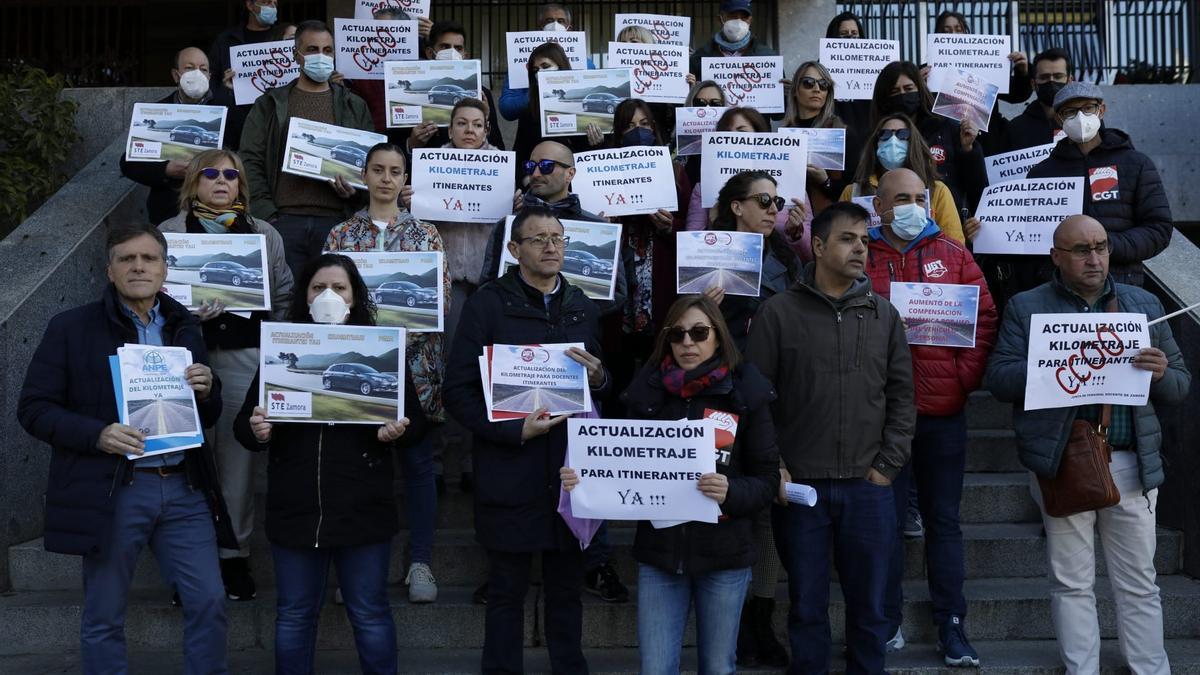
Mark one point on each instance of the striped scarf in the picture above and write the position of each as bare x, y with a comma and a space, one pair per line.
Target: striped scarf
218, 221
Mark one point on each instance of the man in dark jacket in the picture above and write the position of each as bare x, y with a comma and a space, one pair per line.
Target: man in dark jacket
260, 25
1037, 125
838, 358
516, 496
734, 38
1081, 283
101, 501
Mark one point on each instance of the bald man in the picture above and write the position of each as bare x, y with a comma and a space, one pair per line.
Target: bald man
910, 248
1082, 284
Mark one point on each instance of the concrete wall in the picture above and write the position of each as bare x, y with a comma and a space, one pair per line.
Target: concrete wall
103, 115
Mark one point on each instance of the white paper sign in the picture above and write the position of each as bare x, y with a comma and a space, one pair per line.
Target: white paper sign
690, 126
311, 372
625, 181
826, 147
525, 378
156, 397
985, 56
965, 96
521, 45
641, 469
426, 91
409, 9
261, 66
939, 315
658, 72
671, 30
1016, 164
1020, 216
855, 64
590, 259
462, 186
748, 81
1086, 359
406, 286
362, 47
573, 99
728, 153
868, 203
230, 268
166, 131
729, 260
324, 151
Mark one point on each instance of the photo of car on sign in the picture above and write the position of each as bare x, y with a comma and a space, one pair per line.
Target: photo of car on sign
331, 373
407, 287
589, 260
230, 268
324, 151
573, 99
163, 131
426, 91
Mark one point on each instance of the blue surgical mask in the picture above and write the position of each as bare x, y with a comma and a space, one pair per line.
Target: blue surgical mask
892, 153
318, 67
267, 15
637, 136
908, 221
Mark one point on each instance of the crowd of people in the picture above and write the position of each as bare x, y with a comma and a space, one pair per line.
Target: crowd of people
817, 370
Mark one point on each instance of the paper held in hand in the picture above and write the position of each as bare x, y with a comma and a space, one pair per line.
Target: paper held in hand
324, 151
939, 315
362, 47
728, 260
167, 131
854, 64
226, 268
522, 43
726, 154
403, 9
261, 66
407, 286
589, 260
985, 56
427, 91
154, 397
748, 81
625, 181
658, 72
1086, 359
964, 96
1020, 216
573, 100
462, 186
521, 379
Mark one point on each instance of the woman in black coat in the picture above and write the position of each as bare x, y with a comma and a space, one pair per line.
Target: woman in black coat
696, 372
329, 494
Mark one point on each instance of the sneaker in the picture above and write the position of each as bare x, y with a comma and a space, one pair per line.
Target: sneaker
422, 587
914, 527
239, 585
953, 645
604, 583
897, 642
479, 597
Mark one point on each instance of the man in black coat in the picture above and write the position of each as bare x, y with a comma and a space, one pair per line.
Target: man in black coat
102, 501
1036, 125
517, 461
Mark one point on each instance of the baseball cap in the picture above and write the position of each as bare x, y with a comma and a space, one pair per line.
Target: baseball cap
1076, 90
735, 6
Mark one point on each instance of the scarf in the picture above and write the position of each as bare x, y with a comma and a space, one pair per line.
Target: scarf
218, 221
731, 47
564, 208
689, 383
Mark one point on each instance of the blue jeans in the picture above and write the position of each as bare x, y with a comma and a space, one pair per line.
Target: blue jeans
173, 518
854, 522
301, 576
939, 458
664, 600
420, 498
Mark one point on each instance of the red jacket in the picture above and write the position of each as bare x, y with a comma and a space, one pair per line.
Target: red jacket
943, 376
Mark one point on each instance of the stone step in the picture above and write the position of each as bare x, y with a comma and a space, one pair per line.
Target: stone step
985, 412
998, 609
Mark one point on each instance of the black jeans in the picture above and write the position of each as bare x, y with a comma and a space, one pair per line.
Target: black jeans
303, 238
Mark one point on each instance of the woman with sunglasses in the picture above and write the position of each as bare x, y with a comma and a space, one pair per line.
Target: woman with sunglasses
696, 371
896, 143
214, 199
549, 56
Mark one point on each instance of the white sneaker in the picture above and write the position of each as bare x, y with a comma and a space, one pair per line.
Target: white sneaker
897, 642
422, 587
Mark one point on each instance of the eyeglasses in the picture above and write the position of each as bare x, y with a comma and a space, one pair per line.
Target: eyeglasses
546, 166
1085, 252
698, 333
902, 134
1086, 109
810, 83
1043, 78
765, 200
708, 103
211, 173
540, 241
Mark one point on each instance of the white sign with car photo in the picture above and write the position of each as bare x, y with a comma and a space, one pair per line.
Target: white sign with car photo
226, 268
324, 151
573, 99
589, 260
426, 91
165, 131
406, 287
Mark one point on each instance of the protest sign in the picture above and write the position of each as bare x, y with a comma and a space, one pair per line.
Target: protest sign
407, 9
1016, 164
868, 203
362, 47
728, 260
426, 91
939, 315
573, 99
526, 378
1086, 359
690, 126
229, 268
323, 151
462, 186
668, 30
641, 469
855, 64
165, 131
748, 81
985, 56
406, 287
728, 153
658, 73
1019, 216
154, 397
261, 66
826, 147
625, 181
965, 96
522, 43
590, 259
312, 372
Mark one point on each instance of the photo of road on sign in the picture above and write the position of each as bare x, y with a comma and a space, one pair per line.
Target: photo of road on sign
728, 260
163, 417
526, 378
155, 396
230, 268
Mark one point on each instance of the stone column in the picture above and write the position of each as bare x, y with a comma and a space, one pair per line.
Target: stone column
801, 25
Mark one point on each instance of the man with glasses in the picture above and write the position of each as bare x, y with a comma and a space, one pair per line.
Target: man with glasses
1082, 251
1037, 125
517, 461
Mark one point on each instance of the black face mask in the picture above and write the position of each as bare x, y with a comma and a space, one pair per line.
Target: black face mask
908, 103
1046, 92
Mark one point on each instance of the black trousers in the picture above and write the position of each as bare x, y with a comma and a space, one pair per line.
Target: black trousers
303, 238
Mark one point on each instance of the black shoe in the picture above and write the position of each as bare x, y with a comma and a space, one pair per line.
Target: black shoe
466, 482
439, 482
479, 597
239, 585
175, 601
770, 652
604, 583
747, 646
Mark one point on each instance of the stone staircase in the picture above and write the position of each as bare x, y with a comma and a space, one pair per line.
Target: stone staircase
1008, 607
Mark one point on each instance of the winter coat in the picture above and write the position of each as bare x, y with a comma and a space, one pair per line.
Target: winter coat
941, 207
1029, 129
781, 269
963, 172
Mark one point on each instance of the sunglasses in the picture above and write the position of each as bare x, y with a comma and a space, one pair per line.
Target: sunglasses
765, 200
810, 83
546, 166
211, 173
698, 333
902, 134
708, 103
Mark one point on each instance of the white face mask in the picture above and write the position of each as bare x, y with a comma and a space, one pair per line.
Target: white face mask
329, 307
450, 54
554, 26
1082, 128
193, 84
735, 30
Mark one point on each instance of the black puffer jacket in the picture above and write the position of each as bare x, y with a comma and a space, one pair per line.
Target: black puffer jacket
1030, 128
1136, 214
963, 172
752, 466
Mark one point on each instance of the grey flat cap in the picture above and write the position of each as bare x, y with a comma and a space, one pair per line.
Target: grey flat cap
1076, 90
